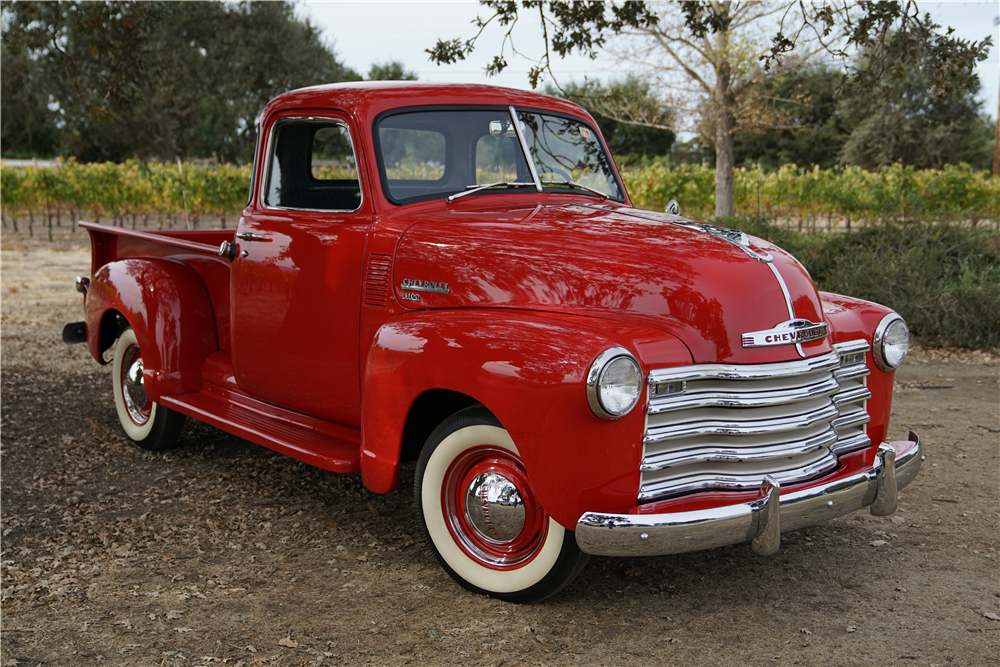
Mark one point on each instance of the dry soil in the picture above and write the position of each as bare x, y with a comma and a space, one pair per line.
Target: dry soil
224, 552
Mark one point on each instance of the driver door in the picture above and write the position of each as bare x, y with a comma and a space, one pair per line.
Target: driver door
296, 287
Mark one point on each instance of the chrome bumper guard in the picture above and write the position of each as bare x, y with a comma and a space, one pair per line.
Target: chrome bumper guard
761, 521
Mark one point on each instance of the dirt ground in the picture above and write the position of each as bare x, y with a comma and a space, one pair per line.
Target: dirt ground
225, 552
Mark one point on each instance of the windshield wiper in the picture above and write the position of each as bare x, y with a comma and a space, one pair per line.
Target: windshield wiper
499, 184
574, 184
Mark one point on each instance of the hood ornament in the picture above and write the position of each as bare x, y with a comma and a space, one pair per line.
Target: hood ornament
791, 332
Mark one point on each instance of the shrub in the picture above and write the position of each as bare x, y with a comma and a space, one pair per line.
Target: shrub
943, 279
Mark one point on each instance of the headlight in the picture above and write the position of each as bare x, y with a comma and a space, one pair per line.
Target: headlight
614, 383
891, 342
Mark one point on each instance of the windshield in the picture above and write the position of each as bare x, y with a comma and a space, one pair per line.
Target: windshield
427, 154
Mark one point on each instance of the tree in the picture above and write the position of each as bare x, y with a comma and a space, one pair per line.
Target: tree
390, 71
160, 79
627, 140
912, 125
813, 132
721, 51
27, 125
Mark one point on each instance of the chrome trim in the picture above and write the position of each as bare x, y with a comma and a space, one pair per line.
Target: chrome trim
266, 167
850, 443
133, 387
878, 342
786, 333
750, 398
680, 532
908, 465
851, 372
851, 347
850, 395
855, 418
82, 284
766, 524
524, 147
415, 285
827, 361
756, 426
227, 250
494, 508
714, 453
249, 236
788, 300
886, 494
726, 426
715, 480
594, 379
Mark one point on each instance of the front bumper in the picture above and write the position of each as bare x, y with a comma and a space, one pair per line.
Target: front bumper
761, 521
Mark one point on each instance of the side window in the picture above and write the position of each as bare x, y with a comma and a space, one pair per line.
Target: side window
312, 166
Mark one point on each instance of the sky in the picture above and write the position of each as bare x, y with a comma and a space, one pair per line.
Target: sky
364, 33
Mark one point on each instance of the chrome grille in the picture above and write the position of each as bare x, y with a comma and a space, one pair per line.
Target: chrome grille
726, 426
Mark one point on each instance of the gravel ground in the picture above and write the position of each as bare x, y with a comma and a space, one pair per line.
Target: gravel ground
225, 552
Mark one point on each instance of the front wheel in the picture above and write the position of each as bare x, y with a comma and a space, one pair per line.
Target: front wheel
481, 517
150, 426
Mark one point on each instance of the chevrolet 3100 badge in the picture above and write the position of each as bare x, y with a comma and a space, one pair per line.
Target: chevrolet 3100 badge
472, 289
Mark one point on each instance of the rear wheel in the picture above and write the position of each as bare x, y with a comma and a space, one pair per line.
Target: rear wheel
481, 516
150, 426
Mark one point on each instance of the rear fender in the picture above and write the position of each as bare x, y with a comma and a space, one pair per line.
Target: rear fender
166, 303
530, 371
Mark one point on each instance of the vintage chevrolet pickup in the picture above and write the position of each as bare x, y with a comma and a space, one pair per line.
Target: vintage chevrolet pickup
454, 274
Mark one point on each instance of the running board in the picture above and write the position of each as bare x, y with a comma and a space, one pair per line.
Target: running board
318, 442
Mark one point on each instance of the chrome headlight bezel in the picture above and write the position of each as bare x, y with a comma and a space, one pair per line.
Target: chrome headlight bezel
885, 349
597, 392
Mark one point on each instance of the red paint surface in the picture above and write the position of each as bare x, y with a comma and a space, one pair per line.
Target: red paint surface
311, 326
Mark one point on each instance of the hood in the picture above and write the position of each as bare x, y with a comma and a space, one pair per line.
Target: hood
654, 269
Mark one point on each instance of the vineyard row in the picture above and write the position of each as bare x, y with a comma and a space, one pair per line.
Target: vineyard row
122, 192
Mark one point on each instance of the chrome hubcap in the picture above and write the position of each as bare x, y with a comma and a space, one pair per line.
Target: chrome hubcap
133, 390
495, 508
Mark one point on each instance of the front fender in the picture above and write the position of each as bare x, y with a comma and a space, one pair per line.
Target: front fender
168, 307
529, 370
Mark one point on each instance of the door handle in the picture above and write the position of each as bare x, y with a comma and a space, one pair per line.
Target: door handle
247, 236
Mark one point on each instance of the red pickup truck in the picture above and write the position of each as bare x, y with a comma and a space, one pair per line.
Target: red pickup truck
454, 274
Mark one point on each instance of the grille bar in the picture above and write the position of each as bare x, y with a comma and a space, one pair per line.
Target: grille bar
723, 394
762, 422
719, 478
727, 426
716, 449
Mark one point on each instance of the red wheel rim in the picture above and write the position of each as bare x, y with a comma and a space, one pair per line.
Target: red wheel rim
492, 553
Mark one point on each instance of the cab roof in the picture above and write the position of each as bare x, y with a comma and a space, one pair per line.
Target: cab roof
367, 99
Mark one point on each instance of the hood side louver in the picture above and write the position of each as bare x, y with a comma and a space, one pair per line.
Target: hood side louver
377, 286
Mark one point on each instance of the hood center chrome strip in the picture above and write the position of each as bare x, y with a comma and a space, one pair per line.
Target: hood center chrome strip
788, 301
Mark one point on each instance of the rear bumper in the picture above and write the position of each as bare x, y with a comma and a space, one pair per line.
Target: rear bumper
761, 521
